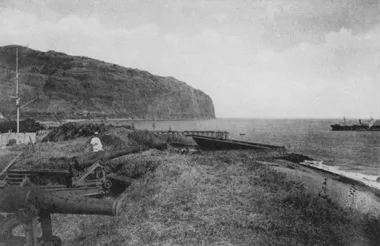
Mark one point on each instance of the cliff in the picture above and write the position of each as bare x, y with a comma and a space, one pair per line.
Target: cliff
81, 87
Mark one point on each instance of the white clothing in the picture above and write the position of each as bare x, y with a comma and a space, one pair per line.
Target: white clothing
96, 144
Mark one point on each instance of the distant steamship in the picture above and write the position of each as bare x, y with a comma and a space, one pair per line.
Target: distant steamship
373, 125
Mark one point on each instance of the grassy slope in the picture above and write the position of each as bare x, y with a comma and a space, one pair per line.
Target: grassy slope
215, 198
222, 199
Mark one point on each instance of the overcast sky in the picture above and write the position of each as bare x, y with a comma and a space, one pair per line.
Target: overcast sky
255, 58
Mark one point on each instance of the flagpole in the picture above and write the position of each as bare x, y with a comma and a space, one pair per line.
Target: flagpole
17, 96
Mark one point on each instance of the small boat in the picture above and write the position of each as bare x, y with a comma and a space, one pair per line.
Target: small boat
211, 143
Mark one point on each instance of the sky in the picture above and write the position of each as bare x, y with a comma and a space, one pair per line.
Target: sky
254, 58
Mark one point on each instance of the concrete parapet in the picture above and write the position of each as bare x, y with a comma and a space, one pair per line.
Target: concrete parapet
20, 138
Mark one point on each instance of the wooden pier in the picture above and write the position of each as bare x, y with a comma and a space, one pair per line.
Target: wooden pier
214, 134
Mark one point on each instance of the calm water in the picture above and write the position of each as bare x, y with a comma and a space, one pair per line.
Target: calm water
359, 151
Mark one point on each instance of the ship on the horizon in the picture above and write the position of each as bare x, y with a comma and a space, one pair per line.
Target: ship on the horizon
373, 125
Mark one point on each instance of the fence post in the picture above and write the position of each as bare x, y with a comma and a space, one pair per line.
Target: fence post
32, 143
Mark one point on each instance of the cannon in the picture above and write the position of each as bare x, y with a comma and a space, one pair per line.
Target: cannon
27, 204
91, 180
86, 160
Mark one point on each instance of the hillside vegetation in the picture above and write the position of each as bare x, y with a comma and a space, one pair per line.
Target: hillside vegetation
81, 87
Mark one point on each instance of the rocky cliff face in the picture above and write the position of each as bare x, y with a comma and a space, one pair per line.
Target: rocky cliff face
80, 87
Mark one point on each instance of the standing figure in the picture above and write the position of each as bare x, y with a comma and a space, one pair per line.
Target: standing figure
96, 143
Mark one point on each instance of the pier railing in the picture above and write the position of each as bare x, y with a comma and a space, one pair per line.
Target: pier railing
215, 134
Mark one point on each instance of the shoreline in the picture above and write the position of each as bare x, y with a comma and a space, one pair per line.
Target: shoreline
235, 192
367, 180
345, 191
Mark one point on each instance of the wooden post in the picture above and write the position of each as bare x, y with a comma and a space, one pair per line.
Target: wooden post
9, 165
31, 232
40, 155
47, 230
32, 143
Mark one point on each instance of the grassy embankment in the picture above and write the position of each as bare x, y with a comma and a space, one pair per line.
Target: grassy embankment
215, 198
223, 198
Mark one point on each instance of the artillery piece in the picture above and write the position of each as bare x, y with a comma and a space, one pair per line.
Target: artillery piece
92, 179
84, 161
30, 203
28, 195
91, 182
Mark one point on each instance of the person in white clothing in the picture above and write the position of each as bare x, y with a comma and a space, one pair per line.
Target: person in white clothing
96, 143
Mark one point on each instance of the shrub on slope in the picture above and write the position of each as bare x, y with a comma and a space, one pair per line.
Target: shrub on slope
74, 130
148, 139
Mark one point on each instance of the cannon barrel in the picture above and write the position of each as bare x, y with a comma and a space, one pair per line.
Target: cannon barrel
15, 198
82, 162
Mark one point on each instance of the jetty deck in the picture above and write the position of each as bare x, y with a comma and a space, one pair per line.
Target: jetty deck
214, 134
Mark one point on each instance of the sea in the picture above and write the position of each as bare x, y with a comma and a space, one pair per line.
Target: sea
357, 152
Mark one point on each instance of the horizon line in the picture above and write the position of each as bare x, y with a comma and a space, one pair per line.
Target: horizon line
295, 118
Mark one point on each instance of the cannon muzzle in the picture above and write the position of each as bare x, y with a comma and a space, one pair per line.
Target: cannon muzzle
14, 198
